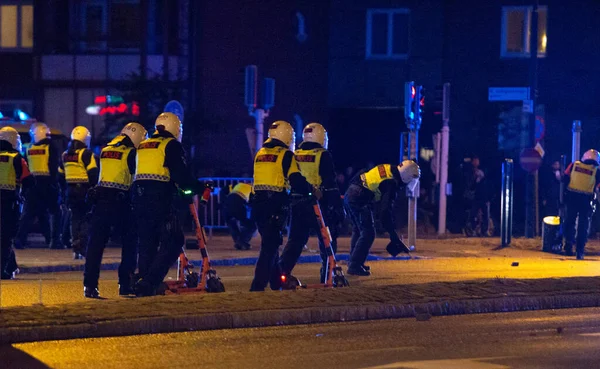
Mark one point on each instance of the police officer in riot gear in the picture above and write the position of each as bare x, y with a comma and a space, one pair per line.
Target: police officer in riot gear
379, 184
15, 178
43, 160
316, 165
112, 207
275, 168
80, 173
582, 179
242, 228
161, 175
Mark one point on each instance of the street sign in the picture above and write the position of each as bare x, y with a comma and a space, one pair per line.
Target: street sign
176, 108
538, 147
540, 128
530, 160
527, 106
508, 93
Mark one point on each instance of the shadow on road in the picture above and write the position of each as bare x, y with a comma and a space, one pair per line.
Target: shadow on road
13, 358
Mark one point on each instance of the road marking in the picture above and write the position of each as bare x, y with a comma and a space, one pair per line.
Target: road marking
590, 334
446, 364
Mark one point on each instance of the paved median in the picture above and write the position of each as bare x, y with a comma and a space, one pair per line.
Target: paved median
245, 309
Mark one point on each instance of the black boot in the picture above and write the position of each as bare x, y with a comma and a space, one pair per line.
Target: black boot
126, 289
569, 250
143, 289
91, 292
358, 270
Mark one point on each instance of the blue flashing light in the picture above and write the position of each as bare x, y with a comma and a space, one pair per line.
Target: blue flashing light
1, 115
22, 115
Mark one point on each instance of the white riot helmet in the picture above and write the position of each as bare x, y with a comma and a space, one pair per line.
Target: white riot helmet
38, 132
283, 131
136, 132
409, 173
315, 132
10, 135
591, 155
171, 124
81, 134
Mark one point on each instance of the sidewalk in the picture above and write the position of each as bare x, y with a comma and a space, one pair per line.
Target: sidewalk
222, 253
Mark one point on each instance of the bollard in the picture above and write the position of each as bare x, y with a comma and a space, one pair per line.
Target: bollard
506, 202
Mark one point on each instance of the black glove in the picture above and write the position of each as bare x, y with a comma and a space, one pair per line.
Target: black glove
394, 248
394, 237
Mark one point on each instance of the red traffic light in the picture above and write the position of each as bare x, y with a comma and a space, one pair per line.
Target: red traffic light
413, 91
422, 102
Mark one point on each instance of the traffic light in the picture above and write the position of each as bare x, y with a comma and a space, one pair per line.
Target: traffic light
409, 97
419, 104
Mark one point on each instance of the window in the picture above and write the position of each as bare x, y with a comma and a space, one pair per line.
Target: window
16, 26
116, 26
516, 31
387, 33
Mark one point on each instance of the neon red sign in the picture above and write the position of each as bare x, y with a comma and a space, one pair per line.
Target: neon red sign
122, 108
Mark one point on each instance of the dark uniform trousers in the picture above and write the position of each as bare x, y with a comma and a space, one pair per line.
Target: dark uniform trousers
160, 236
111, 208
42, 201
76, 201
579, 211
363, 226
303, 221
8, 229
242, 229
270, 211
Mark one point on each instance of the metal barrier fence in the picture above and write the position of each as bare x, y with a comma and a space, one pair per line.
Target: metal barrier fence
213, 215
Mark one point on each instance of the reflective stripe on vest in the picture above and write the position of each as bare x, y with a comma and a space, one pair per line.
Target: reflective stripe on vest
583, 178
75, 171
309, 162
38, 157
8, 175
114, 167
151, 160
268, 170
373, 178
243, 190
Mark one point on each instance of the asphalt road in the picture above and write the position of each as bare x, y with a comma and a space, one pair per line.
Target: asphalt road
545, 339
59, 288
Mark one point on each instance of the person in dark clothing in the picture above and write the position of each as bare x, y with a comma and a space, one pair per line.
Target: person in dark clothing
111, 207
162, 174
43, 159
379, 184
475, 199
79, 173
316, 165
582, 179
235, 210
15, 179
551, 194
274, 169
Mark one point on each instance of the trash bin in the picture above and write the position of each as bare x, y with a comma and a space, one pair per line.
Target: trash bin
551, 235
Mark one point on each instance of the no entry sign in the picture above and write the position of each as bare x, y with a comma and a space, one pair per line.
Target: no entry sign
530, 160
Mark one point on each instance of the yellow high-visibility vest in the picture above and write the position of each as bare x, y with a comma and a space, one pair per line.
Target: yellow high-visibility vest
268, 169
8, 175
75, 170
310, 162
243, 190
151, 160
583, 178
38, 157
373, 178
114, 168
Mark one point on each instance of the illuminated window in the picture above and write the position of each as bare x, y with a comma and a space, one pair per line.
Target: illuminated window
16, 26
387, 33
516, 31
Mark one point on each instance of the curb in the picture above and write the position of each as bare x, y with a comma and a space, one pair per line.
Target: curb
267, 318
217, 262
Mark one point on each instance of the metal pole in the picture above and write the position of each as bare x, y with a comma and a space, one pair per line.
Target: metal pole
530, 189
506, 202
412, 197
576, 143
445, 146
561, 195
537, 202
259, 115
